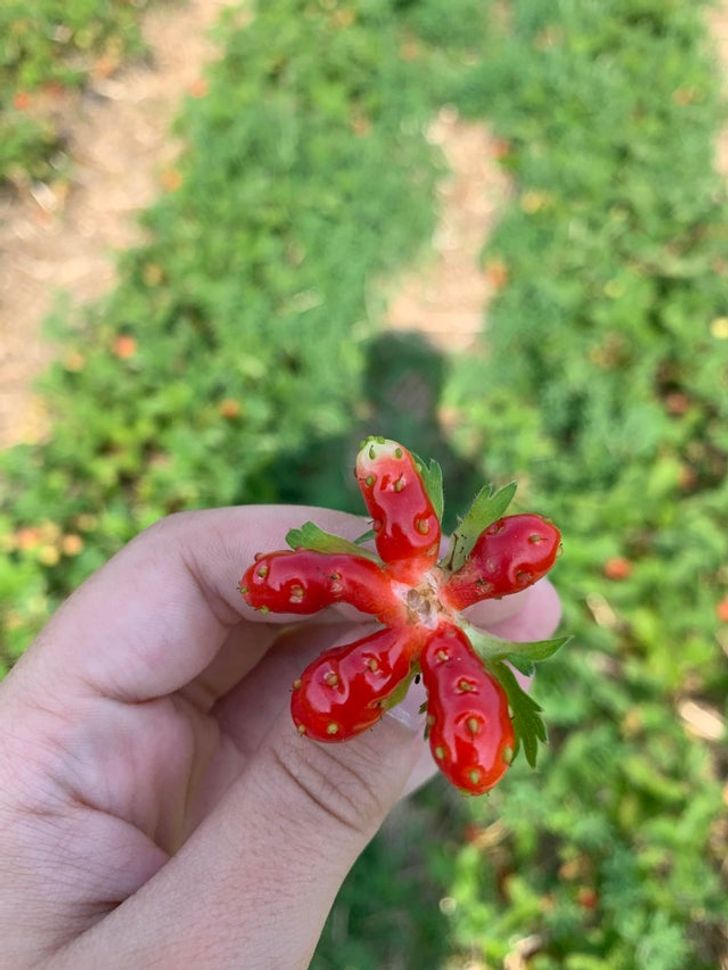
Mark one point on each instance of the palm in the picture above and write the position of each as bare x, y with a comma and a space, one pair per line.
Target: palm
186, 749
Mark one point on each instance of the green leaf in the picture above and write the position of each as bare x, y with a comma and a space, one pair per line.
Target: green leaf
400, 691
526, 713
364, 537
431, 475
488, 506
521, 655
310, 536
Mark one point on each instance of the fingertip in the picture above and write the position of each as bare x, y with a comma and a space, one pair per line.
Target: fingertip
538, 615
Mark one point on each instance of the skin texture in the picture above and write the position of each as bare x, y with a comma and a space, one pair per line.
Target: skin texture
157, 808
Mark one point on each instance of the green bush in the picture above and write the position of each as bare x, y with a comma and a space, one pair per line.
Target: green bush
47, 46
604, 392
233, 363
235, 333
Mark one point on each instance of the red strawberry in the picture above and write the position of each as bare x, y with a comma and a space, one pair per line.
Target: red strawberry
306, 582
406, 527
510, 555
471, 735
340, 693
345, 690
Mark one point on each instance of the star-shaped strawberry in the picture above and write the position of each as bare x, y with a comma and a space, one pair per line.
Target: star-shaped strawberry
477, 714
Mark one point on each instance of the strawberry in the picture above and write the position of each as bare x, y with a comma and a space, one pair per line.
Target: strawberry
340, 693
510, 555
406, 526
305, 582
478, 716
470, 730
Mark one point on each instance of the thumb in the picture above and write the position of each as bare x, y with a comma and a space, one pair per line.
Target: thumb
254, 884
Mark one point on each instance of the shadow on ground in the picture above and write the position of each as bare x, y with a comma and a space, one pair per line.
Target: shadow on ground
403, 380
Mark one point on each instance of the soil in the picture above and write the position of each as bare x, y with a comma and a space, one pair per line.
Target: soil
62, 237
446, 298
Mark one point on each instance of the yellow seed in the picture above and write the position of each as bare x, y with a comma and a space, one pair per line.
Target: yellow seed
399, 484
442, 655
373, 664
464, 686
474, 775
439, 752
370, 480
301, 729
331, 679
473, 725
262, 572
422, 526
332, 728
398, 452
297, 683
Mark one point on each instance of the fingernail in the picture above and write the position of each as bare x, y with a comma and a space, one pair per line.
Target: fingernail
408, 712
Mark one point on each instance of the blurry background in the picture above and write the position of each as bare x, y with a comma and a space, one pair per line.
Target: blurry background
495, 229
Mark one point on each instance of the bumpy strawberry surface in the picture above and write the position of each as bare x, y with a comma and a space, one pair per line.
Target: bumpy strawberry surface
476, 713
470, 730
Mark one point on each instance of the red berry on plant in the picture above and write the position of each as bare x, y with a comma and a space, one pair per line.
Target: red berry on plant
617, 568
478, 716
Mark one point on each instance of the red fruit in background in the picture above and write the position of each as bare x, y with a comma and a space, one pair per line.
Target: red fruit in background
471, 735
617, 568
721, 610
510, 555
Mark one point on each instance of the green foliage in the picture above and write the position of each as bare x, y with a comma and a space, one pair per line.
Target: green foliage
487, 507
312, 536
235, 334
604, 391
234, 363
46, 48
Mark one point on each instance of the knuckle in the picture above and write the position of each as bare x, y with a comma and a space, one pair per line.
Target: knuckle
337, 784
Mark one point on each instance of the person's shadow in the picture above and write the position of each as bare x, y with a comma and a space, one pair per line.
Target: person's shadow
403, 381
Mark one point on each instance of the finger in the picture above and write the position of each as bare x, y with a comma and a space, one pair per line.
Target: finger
253, 885
537, 616
165, 603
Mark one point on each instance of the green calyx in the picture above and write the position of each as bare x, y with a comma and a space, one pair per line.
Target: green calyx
488, 506
312, 537
528, 724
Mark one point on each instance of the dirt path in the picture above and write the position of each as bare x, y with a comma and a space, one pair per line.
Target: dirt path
446, 298
62, 238
718, 20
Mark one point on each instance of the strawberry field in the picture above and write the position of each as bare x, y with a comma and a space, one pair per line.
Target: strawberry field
243, 355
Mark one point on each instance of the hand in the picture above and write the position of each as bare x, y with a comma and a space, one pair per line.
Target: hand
157, 808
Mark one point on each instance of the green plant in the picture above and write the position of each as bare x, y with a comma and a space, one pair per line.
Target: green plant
46, 48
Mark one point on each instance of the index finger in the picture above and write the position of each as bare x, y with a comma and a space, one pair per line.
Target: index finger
157, 613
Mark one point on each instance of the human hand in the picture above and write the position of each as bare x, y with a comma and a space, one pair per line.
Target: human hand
157, 808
